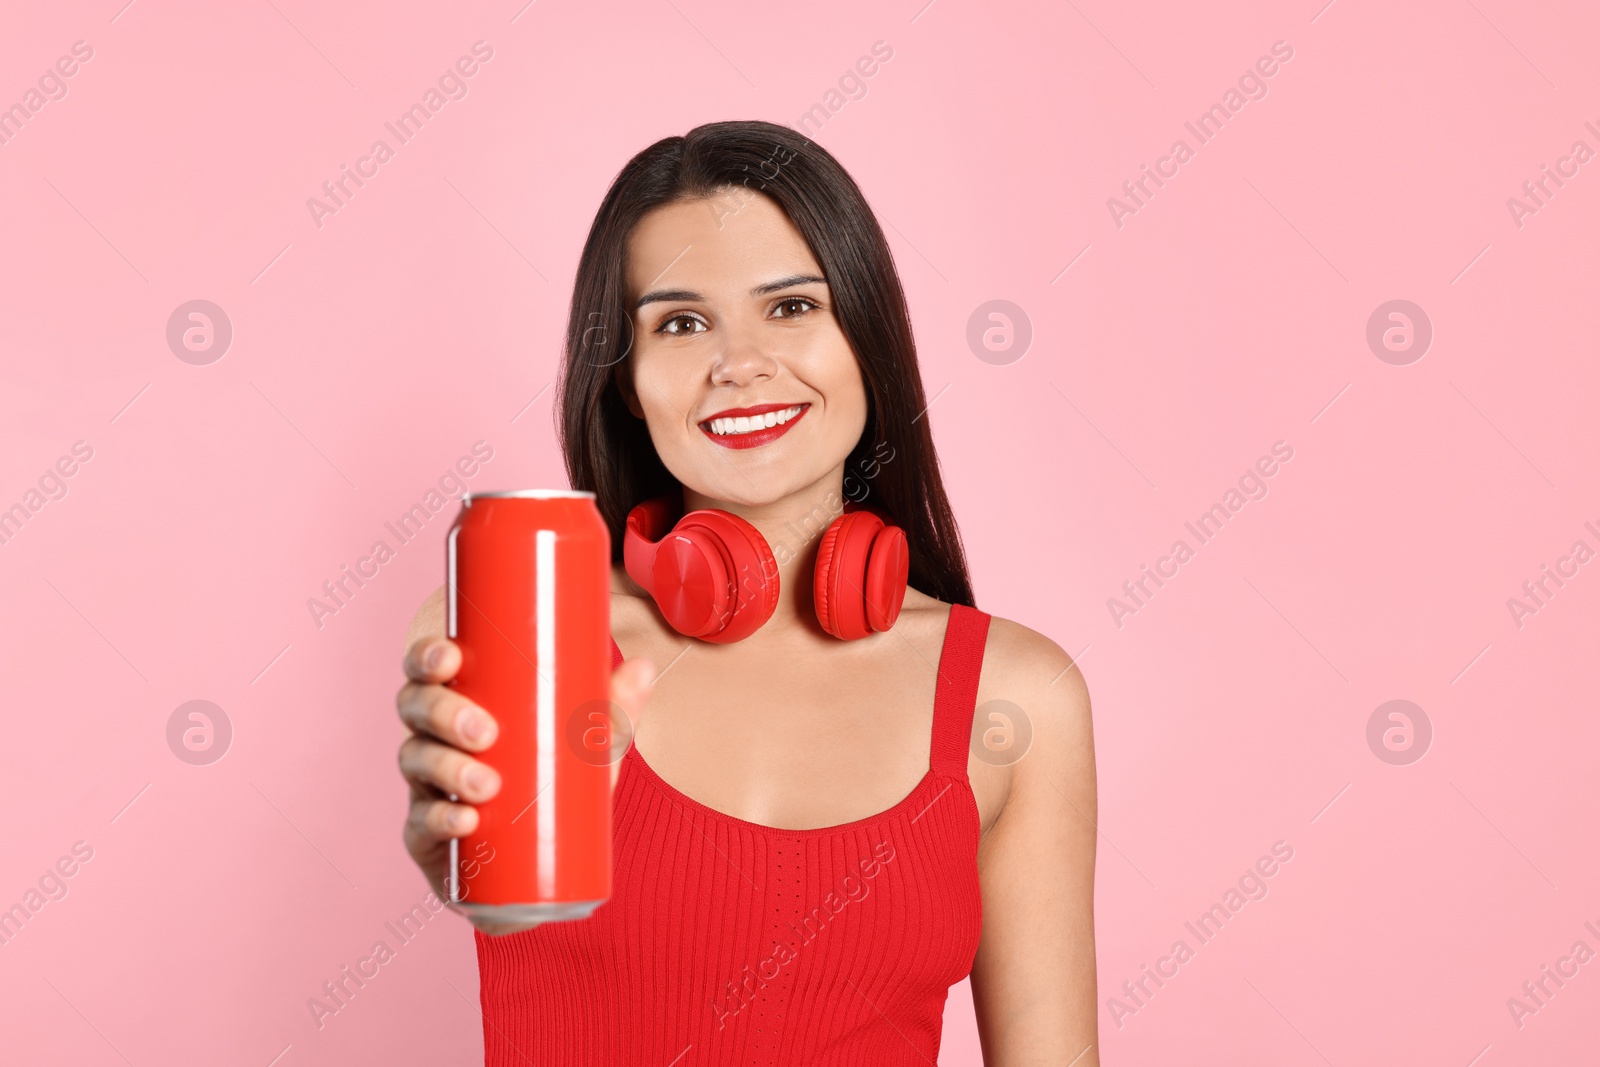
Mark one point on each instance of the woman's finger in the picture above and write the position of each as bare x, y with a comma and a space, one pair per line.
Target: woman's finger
441, 712
431, 821
432, 659
429, 762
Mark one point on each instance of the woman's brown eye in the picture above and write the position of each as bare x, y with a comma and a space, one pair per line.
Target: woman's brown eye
663, 328
805, 304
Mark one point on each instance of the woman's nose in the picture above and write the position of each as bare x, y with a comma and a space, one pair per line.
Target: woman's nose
741, 360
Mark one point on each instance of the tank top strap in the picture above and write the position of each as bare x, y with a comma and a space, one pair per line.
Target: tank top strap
956, 691
616, 654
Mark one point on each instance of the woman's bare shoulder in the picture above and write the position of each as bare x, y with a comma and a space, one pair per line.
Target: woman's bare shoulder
1031, 702
1017, 660
1029, 677
1023, 660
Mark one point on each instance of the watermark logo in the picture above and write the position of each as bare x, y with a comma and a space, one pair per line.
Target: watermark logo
51, 886
1538, 992
51, 87
793, 539
199, 332
340, 591
1399, 332
741, 993
1399, 732
199, 732
1002, 734
465, 870
596, 340
1139, 592
999, 332
1537, 592
598, 732
51, 486
452, 85
851, 87
1538, 192
339, 991
1252, 85
734, 198
1251, 886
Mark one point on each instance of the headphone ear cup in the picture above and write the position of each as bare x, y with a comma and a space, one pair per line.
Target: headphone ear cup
711, 574
887, 571
689, 581
860, 575
822, 577
718, 573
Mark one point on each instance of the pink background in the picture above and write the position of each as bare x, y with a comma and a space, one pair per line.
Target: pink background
1227, 314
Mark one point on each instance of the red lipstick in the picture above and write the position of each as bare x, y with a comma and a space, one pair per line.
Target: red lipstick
754, 438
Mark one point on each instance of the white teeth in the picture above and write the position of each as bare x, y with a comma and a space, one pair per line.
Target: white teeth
745, 424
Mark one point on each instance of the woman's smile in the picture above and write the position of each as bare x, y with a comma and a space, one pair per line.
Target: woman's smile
752, 427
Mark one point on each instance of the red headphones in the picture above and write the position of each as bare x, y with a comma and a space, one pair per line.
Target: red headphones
714, 577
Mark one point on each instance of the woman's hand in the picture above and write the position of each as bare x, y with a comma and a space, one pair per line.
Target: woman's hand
447, 728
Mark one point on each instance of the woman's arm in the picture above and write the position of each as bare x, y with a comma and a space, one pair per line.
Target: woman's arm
1033, 981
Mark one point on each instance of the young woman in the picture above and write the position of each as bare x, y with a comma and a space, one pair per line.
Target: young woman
814, 835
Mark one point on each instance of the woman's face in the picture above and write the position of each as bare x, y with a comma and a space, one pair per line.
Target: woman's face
730, 313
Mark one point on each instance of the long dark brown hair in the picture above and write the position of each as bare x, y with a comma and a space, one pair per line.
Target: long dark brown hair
608, 451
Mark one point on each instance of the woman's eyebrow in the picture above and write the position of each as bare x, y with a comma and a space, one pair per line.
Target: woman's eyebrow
660, 295
784, 283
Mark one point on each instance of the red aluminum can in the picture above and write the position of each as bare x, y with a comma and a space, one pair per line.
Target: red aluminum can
530, 607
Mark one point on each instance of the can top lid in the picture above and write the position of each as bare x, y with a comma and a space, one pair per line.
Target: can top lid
533, 494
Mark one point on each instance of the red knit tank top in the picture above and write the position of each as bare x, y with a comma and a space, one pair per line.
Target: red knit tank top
729, 942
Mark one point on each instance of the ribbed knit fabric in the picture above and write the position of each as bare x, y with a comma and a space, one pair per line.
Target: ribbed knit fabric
729, 942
